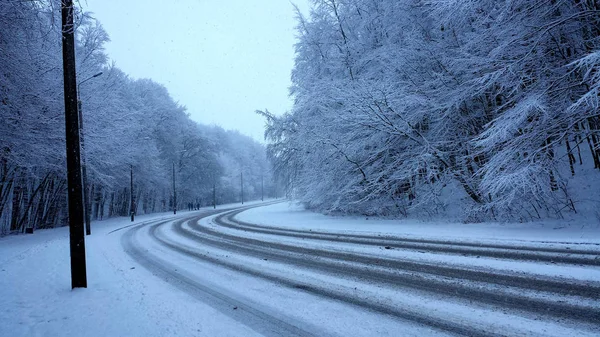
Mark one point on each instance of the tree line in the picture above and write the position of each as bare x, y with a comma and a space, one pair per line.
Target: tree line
129, 125
481, 109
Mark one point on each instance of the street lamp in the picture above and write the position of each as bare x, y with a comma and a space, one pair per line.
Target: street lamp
89, 78
174, 189
86, 189
132, 197
214, 194
174, 192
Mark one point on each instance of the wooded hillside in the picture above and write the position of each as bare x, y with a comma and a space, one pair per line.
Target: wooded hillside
128, 124
480, 109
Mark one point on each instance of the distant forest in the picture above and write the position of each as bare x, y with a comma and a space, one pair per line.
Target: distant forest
472, 110
128, 126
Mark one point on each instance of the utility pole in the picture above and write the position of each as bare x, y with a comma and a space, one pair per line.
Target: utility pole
242, 184
174, 192
132, 198
214, 194
74, 188
262, 188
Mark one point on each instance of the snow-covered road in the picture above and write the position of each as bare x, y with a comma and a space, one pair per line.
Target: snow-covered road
219, 273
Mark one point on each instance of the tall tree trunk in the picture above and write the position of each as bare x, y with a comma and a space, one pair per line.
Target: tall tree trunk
550, 153
594, 126
570, 155
30, 200
111, 205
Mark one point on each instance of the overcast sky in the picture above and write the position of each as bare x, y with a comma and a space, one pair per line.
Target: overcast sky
221, 59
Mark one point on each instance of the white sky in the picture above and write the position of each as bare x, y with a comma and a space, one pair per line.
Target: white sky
221, 59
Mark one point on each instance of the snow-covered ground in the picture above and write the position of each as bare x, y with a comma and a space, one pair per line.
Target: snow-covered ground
294, 216
122, 299
171, 276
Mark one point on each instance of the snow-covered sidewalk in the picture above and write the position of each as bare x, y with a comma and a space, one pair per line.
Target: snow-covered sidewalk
121, 299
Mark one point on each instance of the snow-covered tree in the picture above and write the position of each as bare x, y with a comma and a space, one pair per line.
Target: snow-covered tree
428, 106
128, 125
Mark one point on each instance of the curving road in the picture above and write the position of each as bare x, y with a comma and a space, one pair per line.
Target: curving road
287, 282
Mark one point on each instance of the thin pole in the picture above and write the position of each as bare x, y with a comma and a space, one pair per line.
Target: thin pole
132, 198
174, 192
242, 184
262, 189
86, 189
214, 195
87, 205
75, 197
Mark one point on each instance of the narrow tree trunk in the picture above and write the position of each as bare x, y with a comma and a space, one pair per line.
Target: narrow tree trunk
30, 200
577, 141
593, 152
111, 205
570, 155
550, 154
594, 126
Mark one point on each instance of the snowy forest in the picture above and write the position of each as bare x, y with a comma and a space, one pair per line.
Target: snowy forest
477, 110
469, 110
129, 126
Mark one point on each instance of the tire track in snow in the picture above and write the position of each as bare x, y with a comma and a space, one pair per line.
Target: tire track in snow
325, 292
247, 314
545, 284
301, 256
537, 254
308, 258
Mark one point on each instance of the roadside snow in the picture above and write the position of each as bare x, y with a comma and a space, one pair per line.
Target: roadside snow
125, 299
122, 299
291, 215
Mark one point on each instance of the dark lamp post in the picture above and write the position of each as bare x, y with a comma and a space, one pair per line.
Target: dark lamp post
86, 188
174, 192
132, 197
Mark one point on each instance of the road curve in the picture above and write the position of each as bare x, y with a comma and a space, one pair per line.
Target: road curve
570, 303
264, 323
538, 254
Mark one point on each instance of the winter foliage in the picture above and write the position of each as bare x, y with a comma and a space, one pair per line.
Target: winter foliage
481, 109
127, 125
